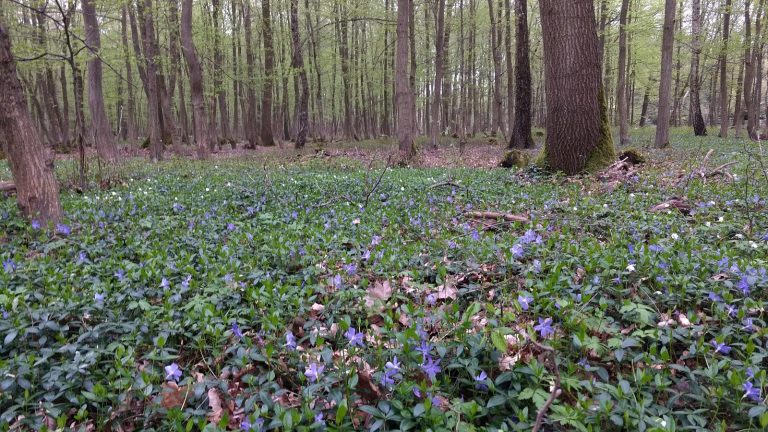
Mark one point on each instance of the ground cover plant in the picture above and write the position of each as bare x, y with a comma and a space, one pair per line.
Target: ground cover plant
328, 293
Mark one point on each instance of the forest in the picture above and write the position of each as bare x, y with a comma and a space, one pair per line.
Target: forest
443, 215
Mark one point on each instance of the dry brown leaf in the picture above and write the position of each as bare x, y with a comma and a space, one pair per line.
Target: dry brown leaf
171, 395
381, 291
448, 289
216, 405
508, 362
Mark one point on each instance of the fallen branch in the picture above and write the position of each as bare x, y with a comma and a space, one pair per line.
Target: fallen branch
446, 183
384, 171
7, 187
509, 217
556, 391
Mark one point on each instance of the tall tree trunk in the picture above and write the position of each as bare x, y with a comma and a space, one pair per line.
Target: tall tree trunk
267, 138
644, 108
621, 87
749, 71
298, 66
439, 56
578, 133
37, 192
699, 127
510, 71
152, 79
665, 80
130, 110
202, 134
349, 127
677, 94
521, 130
166, 90
738, 110
404, 92
102, 132
249, 115
723, 59
497, 121
64, 105
218, 59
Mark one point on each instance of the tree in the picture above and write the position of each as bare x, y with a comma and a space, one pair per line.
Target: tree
267, 138
102, 132
439, 56
297, 63
404, 115
699, 126
578, 133
521, 129
202, 135
621, 86
665, 80
723, 59
37, 192
152, 76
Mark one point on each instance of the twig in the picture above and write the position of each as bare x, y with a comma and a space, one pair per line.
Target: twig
386, 167
555, 391
446, 183
509, 217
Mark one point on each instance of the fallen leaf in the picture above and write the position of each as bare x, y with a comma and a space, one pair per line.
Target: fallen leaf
215, 403
171, 395
381, 290
447, 290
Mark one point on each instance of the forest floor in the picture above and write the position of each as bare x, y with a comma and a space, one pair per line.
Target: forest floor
311, 290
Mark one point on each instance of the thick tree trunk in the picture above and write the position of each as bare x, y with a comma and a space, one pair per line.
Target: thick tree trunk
665, 80
267, 138
152, 80
130, 109
102, 132
37, 192
249, 115
439, 56
510, 71
403, 93
621, 87
521, 130
497, 119
297, 62
724, 94
644, 108
218, 60
699, 126
578, 133
202, 134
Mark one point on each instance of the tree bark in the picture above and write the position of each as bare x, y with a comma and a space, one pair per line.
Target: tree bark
297, 62
724, 71
37, 192
403, 92
665, 80
152, 79
130, 109
267, 138
699, 126
621, 82
218, 60
249, 115
202, 134
102, 132
439, 56
497, 119
578, 133
520, 136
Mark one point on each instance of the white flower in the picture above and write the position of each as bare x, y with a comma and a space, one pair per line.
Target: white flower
631, 268
675, 236
720, 219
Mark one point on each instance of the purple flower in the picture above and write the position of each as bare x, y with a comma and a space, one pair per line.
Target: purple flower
5, 313
732, 310
319, 419
351, 269
313, 372
714, 297
228, 278
751, 392
63, 229
748, 325
480, 380
172, 372
525, 301
416, 392
431, 299
99, 298
424, 348
721, 348
517, 250
337, 281
36, 224
290, 341
164, 284
185, 282
537, 266
82, 257
355, 338
393, 365
255, 426
375, 240
452, 244
430, 367
475, 235
236, 330
583, 362
750, 373
231, 227
9, 265
367, 255
545, 327
744, 285
655, 248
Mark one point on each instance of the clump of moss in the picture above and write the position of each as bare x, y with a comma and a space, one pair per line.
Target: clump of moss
516, 158
604, 153
633, 156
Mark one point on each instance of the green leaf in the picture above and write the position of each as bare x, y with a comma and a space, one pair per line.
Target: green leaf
10, 337
341, 412
418, 410
496, 401
497, 337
